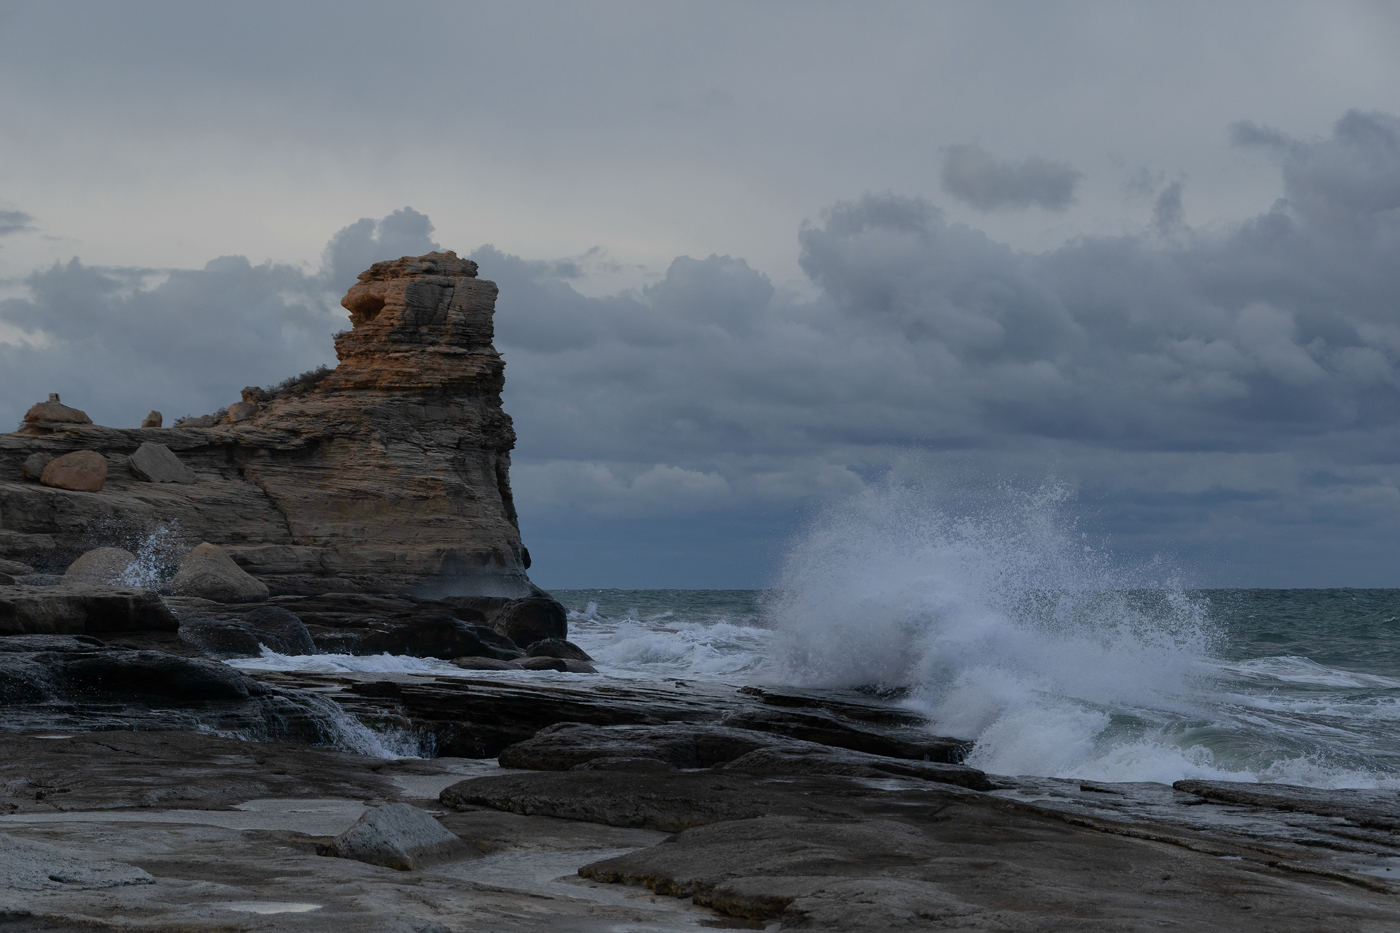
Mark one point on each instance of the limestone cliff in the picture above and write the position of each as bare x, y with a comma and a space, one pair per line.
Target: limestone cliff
391, 473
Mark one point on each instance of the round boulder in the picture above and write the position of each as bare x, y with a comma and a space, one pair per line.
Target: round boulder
81, 471
557, 648
209, 573
102, 566
34, 465
534, 618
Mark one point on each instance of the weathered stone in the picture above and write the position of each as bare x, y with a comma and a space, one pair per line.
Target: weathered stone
153, 420
103, 566
241, 411
15, 568
438, 635
279, 630
485, 664
55, 411
531, 619
209, 573
557, 648
72, 609
156, 463
159, 674
826, 729
81, 471
389, 474
401, 837
219, 639
35, 866
6, 580
683, 745
543, 664
34, 465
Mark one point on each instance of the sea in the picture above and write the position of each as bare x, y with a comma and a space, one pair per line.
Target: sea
1009, 627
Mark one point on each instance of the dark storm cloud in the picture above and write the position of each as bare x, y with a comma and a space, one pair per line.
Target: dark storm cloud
354, 249
14, 222
973, 175
1206, 389
1231, 372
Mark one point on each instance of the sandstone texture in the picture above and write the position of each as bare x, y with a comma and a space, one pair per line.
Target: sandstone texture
54, 411
156, 463
153, 420
209, 573
388, 474
103, 566
80, 471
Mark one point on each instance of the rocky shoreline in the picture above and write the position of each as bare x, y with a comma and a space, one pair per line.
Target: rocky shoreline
147, 783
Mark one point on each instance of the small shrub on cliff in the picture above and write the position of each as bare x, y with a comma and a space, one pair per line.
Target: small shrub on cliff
303, 383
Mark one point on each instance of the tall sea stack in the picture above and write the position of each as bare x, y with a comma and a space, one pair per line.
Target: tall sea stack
389, 474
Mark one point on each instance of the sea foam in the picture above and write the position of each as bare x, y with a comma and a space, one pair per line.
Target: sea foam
1004, 624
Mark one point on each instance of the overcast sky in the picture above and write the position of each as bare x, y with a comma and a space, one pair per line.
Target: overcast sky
756, 258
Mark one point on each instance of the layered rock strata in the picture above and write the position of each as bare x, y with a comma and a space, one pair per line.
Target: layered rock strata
390, 474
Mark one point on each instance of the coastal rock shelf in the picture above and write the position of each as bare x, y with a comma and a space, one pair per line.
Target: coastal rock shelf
392, 472
196, 832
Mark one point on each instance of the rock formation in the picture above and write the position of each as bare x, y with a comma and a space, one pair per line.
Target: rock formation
390, 473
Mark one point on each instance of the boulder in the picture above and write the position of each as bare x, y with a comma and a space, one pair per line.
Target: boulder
440, 635
399, 836
557, 648
485, 664
534, 618
156, 463
34, 465
54, 410
81, 471
280, 630
543, 664
153, 420
103, 566
154, 673
209, 573
219, 639
241, 411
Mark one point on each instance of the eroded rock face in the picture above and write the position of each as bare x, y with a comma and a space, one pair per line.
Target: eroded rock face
390, 474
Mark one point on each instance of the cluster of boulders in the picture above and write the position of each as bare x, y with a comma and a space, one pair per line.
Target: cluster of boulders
86, 470
210, 594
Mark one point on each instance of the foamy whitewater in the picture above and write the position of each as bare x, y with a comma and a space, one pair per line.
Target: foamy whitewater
1002, 625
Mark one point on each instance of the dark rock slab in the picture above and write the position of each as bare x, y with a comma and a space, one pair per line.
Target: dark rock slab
76, 609
825, 728
438, 635
188, 770
689, 745
136, 673
1372, 809
681, 745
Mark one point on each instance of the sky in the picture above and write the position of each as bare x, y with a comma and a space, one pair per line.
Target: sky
758, 259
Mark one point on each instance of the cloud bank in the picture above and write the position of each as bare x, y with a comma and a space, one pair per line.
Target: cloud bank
976, 177
1230, 396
